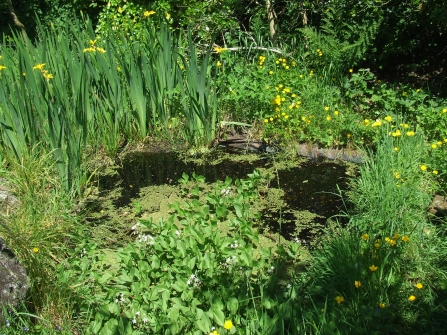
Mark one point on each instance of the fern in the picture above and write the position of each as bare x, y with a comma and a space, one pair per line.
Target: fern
344, 43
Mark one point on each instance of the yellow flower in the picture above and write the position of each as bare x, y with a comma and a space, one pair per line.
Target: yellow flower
271, 119
101, 50
260, 66
219, 49
219, 63
39, 67
228, 324
326, 108
366, 122
434, 146
47, 75
377, 244
214, 332
266, 120
339, 299
357, 284
423, 167
397, 175
377, 123
35, 250
336, 112
406, 125
397, 133
286, 116
365, 237
410, 133
270, 72
439, 143
351, 70
147, 13
396, 149
382, 305
2, 67
404, 93
389, 118
396, 236
419, 286
405, 238
435, 171
328, 118
444, 110
168, 16
411, 298
392, 243
348, 135
373, 268
120, 10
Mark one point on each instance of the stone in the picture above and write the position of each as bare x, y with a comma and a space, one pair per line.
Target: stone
14, 283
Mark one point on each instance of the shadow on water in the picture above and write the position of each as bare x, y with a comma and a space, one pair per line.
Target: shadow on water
310, 190
311, 194
150, 169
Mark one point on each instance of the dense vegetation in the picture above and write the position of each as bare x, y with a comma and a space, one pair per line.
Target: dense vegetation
128, 73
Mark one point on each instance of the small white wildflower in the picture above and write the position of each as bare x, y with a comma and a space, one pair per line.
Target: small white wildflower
145, 320
296, 240
137, 314
148, 239
134, 321
272, 268
226, 191
178, 233
234, 245
289, 286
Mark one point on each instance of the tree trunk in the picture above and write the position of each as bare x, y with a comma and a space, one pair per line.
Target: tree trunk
271, 17
15, 19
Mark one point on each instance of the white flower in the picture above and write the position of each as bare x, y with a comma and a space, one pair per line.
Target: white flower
135, 226
234, 245
178, 233
137, 314
272, 268
134, 321
148, 239
289, 286
145, 320
226, 191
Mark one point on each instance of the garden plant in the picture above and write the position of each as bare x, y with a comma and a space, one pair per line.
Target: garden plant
122, 76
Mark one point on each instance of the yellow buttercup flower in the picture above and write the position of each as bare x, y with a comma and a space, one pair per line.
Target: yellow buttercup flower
373, 268
228, 324
389, 118
419, 286
365, 237
339, 299
382, 305
219, 63
149, 13
405, 238
351, 70
357, 284
328, 118
423, 167
435, 171
326, 108
120, 10
434, 146
411, 298
219, 49
35, 250
2, 67
335, 112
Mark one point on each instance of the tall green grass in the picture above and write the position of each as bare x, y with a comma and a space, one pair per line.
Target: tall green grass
101, 91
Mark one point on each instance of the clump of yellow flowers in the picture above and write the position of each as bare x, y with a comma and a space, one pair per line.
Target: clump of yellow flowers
94, 48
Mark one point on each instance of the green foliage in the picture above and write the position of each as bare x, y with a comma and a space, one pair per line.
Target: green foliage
392, 191
182, 274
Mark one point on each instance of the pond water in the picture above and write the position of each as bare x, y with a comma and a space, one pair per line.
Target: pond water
310, 189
